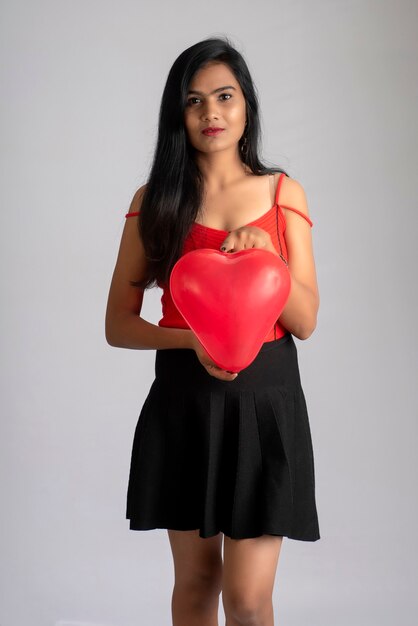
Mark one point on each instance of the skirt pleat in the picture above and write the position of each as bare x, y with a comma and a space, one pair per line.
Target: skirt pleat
225, 456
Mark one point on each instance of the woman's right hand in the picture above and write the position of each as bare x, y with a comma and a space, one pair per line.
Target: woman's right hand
209, 365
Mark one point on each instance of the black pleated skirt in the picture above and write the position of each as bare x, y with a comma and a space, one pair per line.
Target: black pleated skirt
225, 456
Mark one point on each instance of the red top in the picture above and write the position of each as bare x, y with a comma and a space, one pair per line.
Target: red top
205, 237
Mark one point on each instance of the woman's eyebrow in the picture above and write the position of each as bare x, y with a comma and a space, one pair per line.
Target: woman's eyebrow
200, 93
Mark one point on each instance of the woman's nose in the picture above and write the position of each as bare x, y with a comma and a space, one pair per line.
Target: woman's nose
209, 111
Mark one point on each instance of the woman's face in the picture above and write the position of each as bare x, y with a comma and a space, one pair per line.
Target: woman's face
214, 99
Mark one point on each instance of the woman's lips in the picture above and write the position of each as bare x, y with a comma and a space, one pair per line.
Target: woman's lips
212, 132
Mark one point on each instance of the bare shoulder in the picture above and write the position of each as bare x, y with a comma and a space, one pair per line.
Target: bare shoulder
292, 194
137, 199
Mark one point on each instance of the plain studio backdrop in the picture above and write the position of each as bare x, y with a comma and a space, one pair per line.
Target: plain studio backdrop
81, 88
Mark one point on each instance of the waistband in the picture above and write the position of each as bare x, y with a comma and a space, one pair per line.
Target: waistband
270, 345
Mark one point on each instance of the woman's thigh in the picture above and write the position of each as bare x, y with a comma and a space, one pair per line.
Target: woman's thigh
249, 570
197, 560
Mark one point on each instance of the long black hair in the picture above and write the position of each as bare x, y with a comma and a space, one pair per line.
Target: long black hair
174, 189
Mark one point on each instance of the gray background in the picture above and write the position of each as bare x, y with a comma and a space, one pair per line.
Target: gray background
81, 86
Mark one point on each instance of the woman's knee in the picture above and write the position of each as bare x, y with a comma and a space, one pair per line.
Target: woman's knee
206, 581
246, 608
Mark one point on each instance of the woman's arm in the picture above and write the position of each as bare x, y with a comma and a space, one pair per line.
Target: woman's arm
124, 328
300, 313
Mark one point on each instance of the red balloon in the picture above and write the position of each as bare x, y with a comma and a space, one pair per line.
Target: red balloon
231, 300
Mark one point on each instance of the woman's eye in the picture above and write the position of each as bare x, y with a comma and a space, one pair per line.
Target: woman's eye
194, 100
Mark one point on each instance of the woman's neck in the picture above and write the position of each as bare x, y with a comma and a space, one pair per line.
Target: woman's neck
220, 169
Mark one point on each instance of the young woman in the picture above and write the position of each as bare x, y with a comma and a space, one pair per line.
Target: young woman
218, 459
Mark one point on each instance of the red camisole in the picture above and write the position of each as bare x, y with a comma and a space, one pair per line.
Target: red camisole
273, 221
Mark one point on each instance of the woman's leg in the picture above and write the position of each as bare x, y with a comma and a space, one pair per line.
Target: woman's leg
248, 580
198, 578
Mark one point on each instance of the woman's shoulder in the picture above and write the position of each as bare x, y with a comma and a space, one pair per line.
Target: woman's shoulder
292, 194
137, 199
289, 185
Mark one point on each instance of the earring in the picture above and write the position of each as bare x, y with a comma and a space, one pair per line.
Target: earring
244, 147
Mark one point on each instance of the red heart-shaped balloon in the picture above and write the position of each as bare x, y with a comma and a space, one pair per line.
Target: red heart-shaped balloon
230, 300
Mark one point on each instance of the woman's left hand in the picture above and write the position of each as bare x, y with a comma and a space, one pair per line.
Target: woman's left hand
247, 237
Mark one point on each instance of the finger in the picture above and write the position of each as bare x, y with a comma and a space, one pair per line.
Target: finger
226, 377
241, 241
223, 374
227, 245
